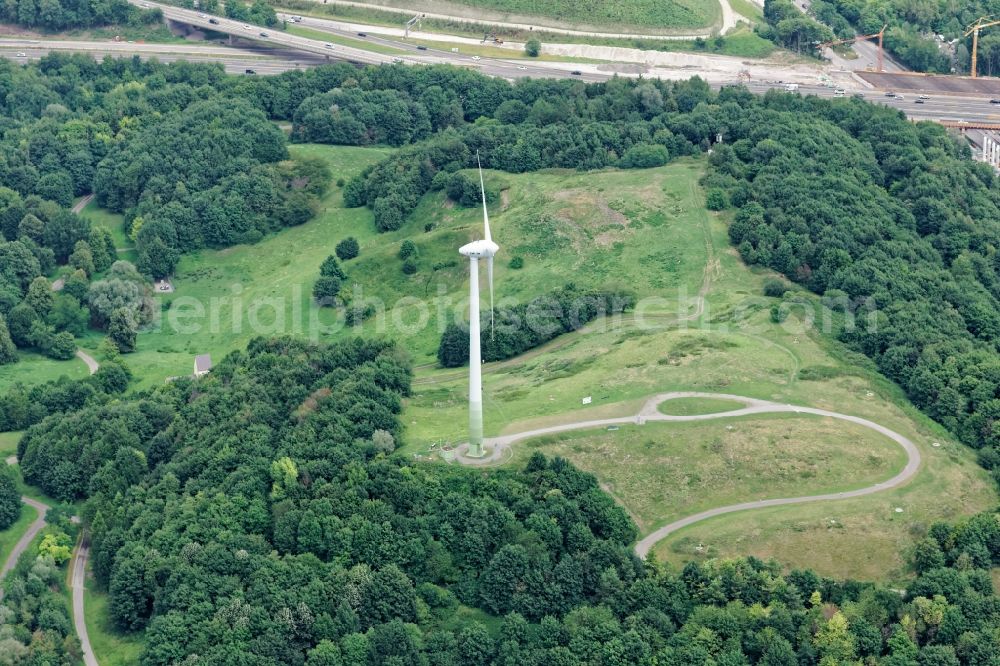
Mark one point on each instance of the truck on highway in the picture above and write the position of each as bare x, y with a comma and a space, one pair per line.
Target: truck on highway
791, 87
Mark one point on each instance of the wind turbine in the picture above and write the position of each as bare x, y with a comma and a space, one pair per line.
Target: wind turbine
476, 250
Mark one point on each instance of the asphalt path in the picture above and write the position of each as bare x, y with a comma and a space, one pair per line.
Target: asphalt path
78, 583
22, 545
499, 448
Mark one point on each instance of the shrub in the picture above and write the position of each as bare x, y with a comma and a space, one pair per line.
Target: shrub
326, 289
533, 48
716, 199
409, 266
778, 313
407, 249
644, 156
348, 248
774, 288
516, 263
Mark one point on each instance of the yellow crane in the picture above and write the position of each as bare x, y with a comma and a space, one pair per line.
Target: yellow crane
859, 38
982, 22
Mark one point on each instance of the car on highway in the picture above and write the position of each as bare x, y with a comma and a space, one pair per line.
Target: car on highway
202, 16
918, 101
576, 72
247, 27
476, 58
264, 34
250, 71
924, 97
889, 93
839, 92
397, 60
859, 95
995, 101
521, 67
421, 47
20, 55
900, 97
328, 45
213, 21
362, 34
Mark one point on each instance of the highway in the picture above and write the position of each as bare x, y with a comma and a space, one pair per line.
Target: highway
279, 51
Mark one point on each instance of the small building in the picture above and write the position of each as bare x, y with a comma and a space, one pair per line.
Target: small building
202, 364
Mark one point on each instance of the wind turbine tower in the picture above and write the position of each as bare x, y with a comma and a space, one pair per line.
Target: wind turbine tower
476, 250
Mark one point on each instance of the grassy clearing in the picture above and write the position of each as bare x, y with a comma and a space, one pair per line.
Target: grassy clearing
33, 368
332, 38
498, 52
740, 42
748, 9
639, 14
665, 471
239, 289
111, 647
690, 406
8, 443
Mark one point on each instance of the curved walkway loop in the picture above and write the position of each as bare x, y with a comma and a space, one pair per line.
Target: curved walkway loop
92, 365
650, 412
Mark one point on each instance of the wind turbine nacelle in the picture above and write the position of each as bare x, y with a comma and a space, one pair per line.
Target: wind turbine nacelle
479, 249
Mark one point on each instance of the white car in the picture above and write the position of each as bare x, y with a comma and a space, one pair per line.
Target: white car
202, 16
521, 67
246, 27
476, 58
397, 60
21, 55
328, 45
898, 96
924, 97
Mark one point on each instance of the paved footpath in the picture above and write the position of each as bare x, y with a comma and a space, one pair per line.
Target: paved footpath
22, 545
78, 582
499, 446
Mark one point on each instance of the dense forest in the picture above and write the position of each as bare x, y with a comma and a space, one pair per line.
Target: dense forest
259, 516
56, 15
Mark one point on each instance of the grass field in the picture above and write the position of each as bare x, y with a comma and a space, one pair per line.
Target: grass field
8, 443
547, 218
33, 368
665, 471
111, 647
689, 406
748, 9
639, 14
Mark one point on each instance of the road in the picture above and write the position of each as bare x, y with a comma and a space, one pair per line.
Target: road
499, 448
22, 545
482, 16
78, 583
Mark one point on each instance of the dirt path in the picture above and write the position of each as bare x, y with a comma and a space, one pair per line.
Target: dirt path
78, 583
82, 203
480, 17
92, 365
499, 448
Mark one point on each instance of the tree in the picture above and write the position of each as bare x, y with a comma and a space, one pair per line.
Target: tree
10, 499
330, 268
62, 346
102, 248
326, 289
348, 248
82, 258
8, 352
453, 352
19, 323
533, 48
123, 329
407, 249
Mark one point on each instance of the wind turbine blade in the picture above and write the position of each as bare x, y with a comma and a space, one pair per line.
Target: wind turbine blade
482, 189
489, 276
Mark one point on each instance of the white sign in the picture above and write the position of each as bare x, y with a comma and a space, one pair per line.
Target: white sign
588, 400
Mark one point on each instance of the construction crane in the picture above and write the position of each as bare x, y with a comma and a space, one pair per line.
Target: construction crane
982, 22
880, 34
